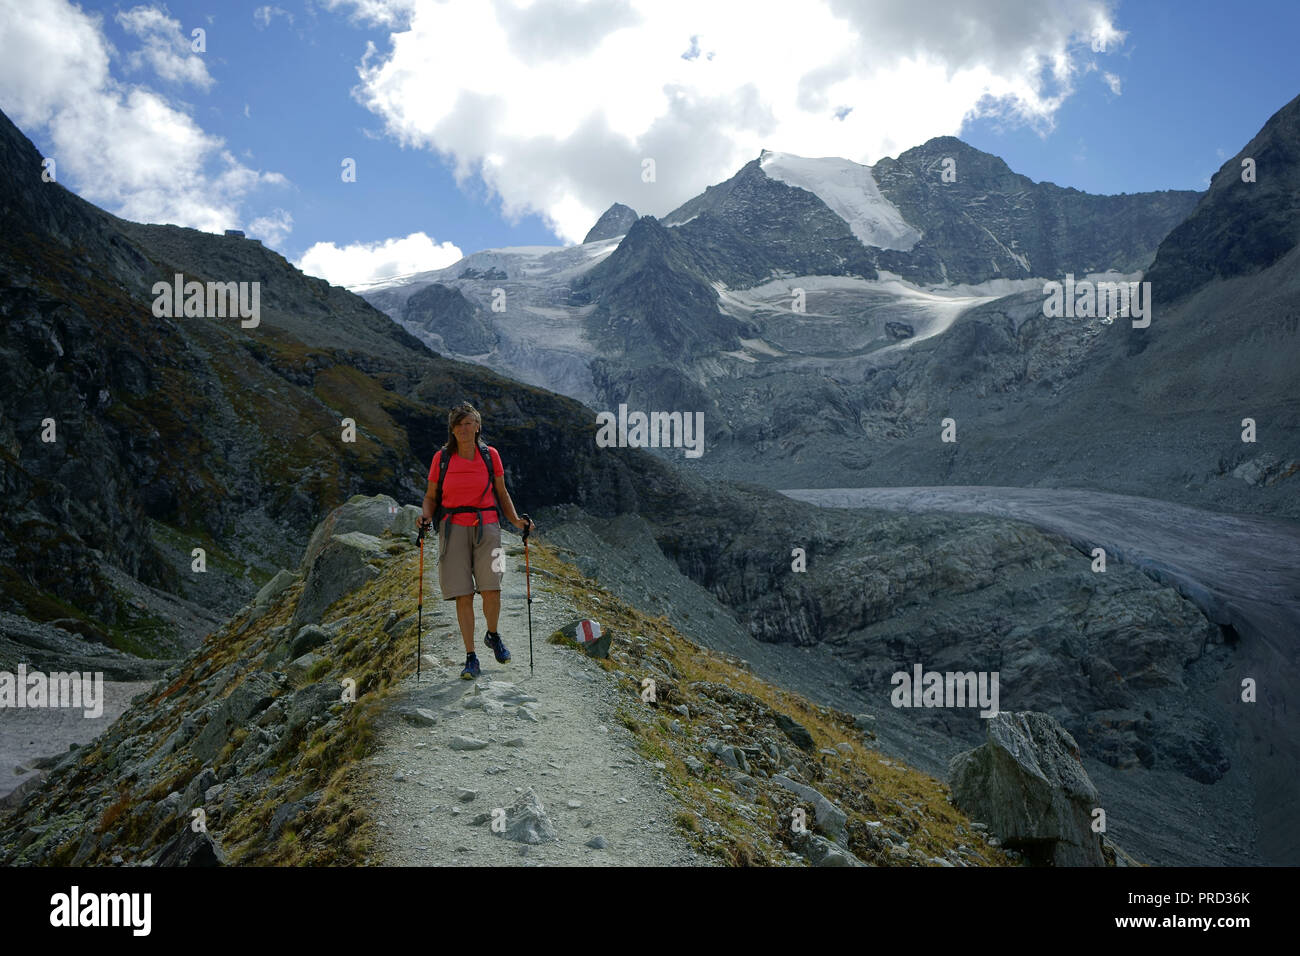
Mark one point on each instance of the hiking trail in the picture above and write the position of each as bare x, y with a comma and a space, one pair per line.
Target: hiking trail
555, 732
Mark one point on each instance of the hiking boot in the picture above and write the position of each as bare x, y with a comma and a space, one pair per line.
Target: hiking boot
493, 640
471, 667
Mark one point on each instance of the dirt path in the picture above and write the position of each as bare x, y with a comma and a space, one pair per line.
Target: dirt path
565, 744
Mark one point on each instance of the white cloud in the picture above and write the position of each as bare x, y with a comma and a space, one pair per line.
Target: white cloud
361, 262
1113, 82
383, 13
556, 103
166, 48
263, 16
126, 148
272, 229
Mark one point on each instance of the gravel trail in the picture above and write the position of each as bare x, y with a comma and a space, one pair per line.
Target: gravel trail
567, 746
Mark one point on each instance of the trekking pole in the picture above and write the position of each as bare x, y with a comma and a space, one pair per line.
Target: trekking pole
528, 586
419, 607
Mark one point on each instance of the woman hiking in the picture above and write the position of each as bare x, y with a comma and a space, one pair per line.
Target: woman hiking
469, 533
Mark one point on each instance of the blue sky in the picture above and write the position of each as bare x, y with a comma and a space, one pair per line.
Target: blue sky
252, 131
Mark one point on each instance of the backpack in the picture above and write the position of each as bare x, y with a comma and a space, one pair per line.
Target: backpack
439, 512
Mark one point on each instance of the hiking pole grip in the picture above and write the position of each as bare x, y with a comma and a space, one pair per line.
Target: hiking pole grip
528, 525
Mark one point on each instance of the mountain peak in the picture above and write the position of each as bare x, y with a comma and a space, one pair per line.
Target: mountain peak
1247, 220
615, 221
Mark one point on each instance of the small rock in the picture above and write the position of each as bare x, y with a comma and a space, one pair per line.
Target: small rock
467, 743
420, 717
465, 795
515, 742
597, 843
575, 804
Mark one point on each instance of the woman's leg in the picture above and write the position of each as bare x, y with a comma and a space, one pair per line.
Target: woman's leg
491, 609
465, 617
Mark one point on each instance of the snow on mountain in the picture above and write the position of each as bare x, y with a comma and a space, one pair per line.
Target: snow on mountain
850, 191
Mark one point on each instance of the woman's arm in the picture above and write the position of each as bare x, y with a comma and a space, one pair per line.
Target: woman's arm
427, 515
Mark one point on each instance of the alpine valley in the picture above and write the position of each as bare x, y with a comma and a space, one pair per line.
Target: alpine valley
884, 398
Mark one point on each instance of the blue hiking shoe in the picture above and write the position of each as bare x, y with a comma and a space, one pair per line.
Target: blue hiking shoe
493, 640
471, 667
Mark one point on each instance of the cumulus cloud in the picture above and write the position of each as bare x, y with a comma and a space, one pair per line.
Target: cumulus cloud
126, 148
360, 263
271, 229
555, 104
165, 47
1113, 82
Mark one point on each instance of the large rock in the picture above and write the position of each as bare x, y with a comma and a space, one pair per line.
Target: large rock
829, 819
796, 731
245, 701
819, 851
188, 848
374, 516
282, 581
346, 563
1028, 784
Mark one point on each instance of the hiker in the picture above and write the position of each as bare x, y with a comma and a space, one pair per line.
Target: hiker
469, 532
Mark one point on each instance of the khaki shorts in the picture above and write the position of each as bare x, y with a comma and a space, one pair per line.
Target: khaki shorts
464, 567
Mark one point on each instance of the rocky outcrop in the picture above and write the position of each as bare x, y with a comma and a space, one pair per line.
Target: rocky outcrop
1028, 784
1248, 220
224, 732
614, 221
446, 313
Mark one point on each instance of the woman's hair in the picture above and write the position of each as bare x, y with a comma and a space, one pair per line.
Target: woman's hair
454, 417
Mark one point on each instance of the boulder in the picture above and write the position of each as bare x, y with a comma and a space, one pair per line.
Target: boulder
188, 848
796, 731
345, 564
589, 635
819, 851
373, 516
245, 701
282, 581
1028, 784
311, 701
299, 667
829, 819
